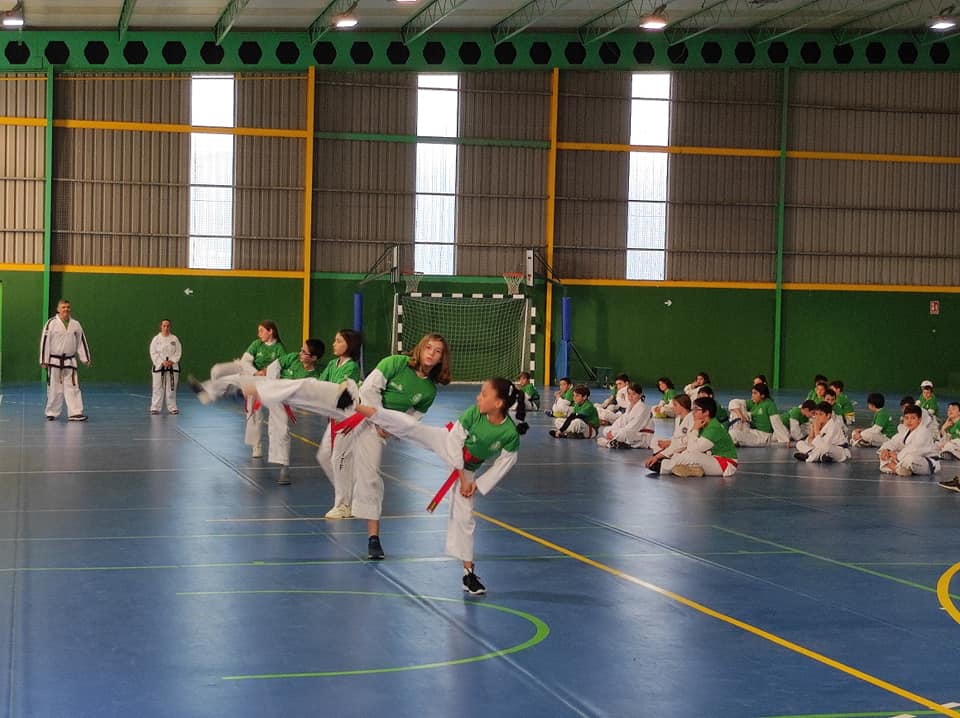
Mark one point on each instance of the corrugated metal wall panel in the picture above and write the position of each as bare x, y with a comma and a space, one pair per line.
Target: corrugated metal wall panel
508, 105
594, 107
21, 194
500, 207
124, 98
23, 95
590, 233
268, 203
121, 198
363, 200
375, 102
271, 101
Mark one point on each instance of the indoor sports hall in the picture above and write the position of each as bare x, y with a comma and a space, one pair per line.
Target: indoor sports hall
571, 190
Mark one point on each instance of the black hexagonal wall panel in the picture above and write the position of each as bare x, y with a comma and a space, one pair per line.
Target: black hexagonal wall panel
434, 53
843, 54
745, 53
609, 53
876, 53
324, 53
211, 53
469, 53
135, 52
174, 53
711, 52
505, 53
810, 52
575, 53
778, 52
644, 53
96, 52
287, 52
678, 53
361, 53
939, 53
17, 53
540, 53
398, 53
57, 52
908, 53
250, 52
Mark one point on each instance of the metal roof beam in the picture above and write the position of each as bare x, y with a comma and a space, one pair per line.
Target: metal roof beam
431, 15
770, 30
325, 21
229, 16
628, 13
126, 12
895, 15
684, 29
517, 22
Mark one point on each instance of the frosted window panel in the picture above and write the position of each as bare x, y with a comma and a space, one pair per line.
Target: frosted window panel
648, 177
434, 224
211, 211
649, 122
645, 265
437, 113
211, 159
446, 81
211, 252
651, 85
646, 225
211, 100
437, 169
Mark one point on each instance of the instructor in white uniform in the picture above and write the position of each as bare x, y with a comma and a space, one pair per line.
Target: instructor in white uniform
165, 353
61, 345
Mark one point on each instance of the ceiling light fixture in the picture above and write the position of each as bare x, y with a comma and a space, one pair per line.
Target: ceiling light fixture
657, 20
345, 22
945, 20
13, 18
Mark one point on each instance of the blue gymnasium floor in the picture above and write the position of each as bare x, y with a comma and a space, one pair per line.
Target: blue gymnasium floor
151, 568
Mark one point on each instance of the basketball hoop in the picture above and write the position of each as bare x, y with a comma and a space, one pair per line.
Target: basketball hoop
411, 280
513, 280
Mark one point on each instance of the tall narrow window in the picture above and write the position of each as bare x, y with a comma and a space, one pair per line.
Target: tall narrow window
436, 207
211, 173
647, 193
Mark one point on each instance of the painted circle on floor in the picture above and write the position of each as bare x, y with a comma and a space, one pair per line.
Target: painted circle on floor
540, 632
943, 592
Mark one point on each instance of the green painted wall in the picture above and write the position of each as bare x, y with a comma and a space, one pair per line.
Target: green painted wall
22, 319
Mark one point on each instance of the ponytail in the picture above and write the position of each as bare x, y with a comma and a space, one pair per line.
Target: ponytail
517, 396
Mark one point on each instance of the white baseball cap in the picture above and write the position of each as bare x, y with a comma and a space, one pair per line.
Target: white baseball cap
926, 383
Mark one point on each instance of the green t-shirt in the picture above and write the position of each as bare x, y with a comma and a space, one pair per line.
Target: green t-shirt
843, 405
587, 412
760, 414
794, 413
485, 439
348, 370
405, 390
263, 355
886, 423
668, 395
568, 395
722, 443
928, 404
722, 414
531, 391
292, 368
812, 396
953, 431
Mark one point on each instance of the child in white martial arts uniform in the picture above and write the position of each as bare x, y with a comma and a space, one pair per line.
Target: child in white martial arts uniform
710, 450
165, 352
682, 430
614, 405
828, 441
62, 343
950, 432
926, 419
259, 355
632, 429
531, 396
662, 409
693, 388
562, 398
791, 424
482, 432
753, 427
882, 428
913, 450
334, 456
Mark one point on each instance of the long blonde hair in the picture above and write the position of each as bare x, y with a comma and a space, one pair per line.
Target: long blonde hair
439, 374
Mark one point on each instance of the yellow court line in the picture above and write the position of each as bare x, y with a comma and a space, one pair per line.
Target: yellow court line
773, 638
943, 592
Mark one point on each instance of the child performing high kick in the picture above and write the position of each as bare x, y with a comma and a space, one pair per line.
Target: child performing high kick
482, 432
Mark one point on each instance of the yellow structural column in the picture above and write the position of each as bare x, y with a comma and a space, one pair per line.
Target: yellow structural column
308, 200
551, 210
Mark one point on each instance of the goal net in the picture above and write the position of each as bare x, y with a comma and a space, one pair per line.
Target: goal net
488, 336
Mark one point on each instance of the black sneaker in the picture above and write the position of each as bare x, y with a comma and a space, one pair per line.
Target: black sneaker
51, 418
800, 456
78, 417
283, 478
557, 434
655, 468
951, 485
374, 549
826, 459
472, 585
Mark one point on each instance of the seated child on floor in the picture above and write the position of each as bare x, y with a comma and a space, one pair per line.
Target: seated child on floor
882, 428
582, 421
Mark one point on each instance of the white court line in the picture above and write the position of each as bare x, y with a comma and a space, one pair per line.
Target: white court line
317, 518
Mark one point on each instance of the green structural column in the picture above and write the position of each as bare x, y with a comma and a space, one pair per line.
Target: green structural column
781, 209
47, 201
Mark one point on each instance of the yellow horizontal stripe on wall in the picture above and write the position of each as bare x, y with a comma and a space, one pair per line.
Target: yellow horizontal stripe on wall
183, 129
20, 267
175, 271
